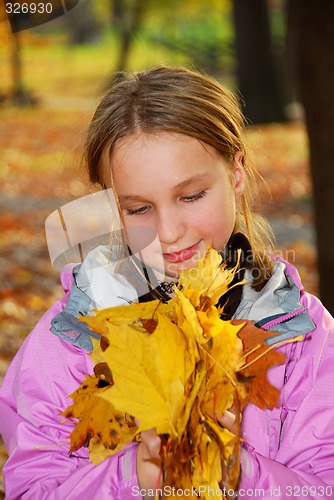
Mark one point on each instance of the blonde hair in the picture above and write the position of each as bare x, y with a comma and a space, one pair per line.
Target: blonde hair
184, 101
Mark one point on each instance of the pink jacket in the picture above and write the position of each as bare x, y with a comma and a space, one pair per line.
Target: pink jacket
287, 452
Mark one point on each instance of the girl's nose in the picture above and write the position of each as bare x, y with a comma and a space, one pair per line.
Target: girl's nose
170, 227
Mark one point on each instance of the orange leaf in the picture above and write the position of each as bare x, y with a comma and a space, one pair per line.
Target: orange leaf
260, 391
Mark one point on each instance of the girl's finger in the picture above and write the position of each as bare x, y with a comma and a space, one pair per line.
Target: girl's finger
228, 420
152, 443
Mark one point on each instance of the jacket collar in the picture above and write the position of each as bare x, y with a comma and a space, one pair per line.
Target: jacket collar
276, 307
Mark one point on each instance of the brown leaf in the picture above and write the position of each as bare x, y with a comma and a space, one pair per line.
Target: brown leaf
258, 358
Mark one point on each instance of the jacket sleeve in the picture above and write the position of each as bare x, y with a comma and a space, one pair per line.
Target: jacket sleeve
34, 392
302, 465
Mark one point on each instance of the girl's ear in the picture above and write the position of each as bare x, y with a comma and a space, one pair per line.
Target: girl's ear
239, 175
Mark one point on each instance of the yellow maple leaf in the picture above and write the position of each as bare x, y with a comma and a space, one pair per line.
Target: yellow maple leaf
156, 360
99, 421
121, 315
187, 318
210, 278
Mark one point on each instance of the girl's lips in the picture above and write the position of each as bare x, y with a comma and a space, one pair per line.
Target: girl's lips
185, 254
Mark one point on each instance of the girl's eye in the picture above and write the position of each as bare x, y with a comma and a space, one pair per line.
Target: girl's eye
195, 197
135, 211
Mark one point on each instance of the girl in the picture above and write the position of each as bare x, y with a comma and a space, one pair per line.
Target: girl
169, 143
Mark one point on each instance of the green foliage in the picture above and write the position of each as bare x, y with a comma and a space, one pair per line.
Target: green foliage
201, 31
205, 41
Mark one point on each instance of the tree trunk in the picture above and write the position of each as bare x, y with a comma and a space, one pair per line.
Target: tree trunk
128, 28
117, 12
19, 96
82, 25
258, 78
311, 42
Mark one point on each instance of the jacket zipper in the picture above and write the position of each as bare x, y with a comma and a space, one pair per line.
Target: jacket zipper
284, 318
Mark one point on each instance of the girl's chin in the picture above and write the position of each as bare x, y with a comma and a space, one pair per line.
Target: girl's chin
173, 269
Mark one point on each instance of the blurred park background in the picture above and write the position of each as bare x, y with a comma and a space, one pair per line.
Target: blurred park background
52, 76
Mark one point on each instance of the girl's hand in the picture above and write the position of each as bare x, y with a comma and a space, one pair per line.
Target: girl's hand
230, 419
148, 462
149, 471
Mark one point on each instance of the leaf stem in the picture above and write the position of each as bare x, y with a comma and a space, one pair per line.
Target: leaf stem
199, 377
220, 366
278, 344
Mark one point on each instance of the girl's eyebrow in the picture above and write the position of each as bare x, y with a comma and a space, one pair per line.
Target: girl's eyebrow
185, 183
191, 180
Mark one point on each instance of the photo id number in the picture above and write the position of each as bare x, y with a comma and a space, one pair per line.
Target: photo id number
28, 8
309, 491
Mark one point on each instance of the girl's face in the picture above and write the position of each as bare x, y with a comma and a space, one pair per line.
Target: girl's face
180, 188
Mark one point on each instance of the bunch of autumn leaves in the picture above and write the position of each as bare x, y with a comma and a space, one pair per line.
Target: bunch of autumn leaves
175, 367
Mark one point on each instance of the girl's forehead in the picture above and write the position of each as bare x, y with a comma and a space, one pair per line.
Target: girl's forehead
148, 142
141, 137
